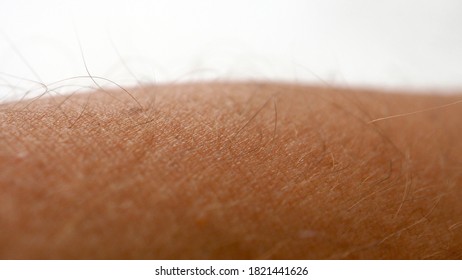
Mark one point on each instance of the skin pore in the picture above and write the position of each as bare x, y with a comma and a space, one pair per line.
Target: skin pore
231, 171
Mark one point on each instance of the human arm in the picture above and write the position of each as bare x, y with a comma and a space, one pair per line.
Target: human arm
243, 170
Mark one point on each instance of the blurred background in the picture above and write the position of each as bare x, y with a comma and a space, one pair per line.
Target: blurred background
412, 44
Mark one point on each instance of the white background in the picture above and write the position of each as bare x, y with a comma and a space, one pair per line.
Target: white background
393, 43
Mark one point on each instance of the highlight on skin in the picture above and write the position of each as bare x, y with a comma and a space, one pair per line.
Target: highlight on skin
231, 170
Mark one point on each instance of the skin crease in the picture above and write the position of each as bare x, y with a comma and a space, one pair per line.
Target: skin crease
231, 171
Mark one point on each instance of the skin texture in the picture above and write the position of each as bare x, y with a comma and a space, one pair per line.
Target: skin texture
231, 171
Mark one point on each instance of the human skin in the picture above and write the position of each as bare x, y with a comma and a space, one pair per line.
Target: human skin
231, 171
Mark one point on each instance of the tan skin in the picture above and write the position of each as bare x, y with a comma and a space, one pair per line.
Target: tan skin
231, 171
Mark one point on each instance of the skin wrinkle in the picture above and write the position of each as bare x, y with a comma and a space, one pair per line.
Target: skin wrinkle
229, 171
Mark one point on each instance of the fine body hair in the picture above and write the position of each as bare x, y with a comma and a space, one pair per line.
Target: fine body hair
231, 170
